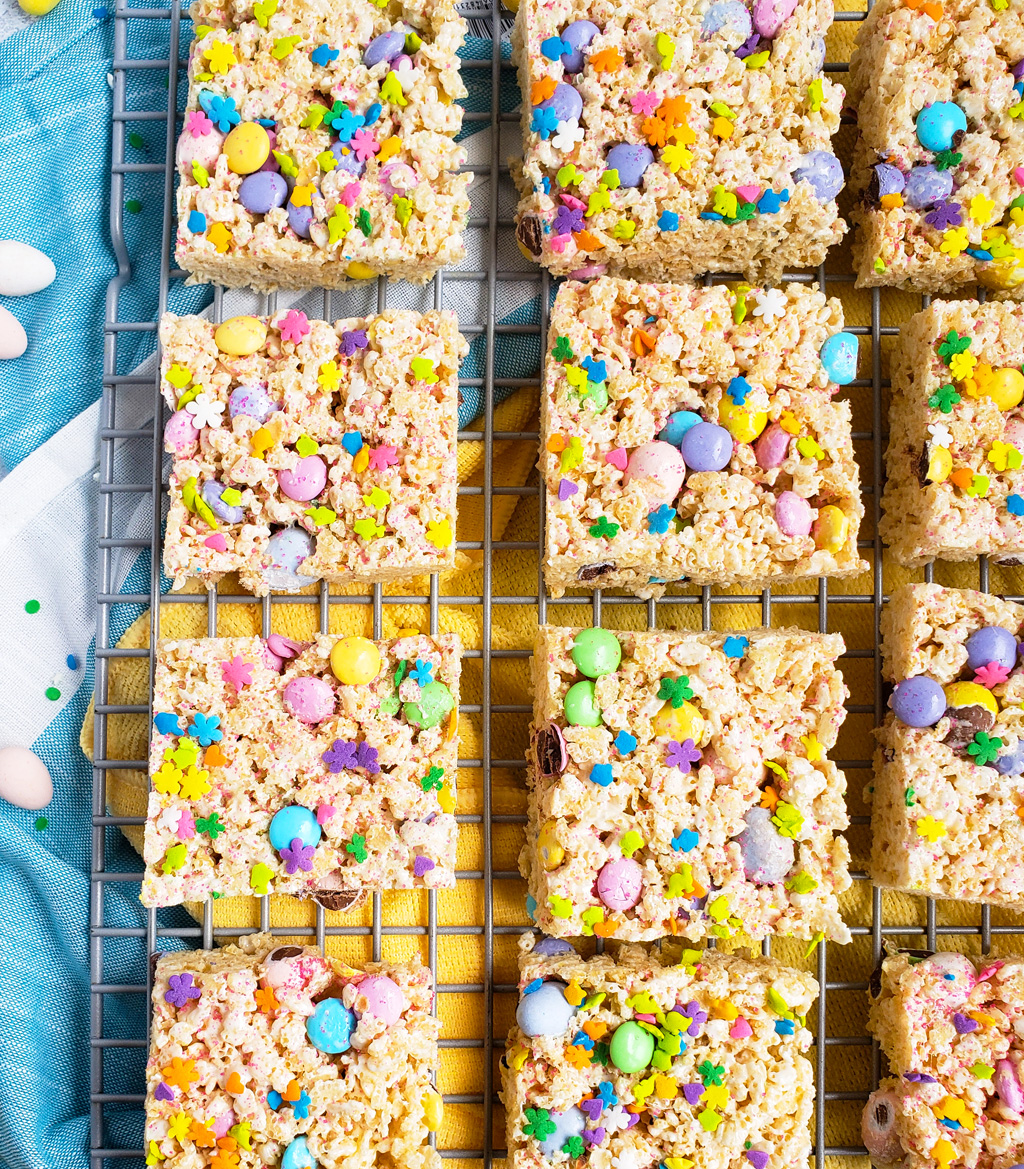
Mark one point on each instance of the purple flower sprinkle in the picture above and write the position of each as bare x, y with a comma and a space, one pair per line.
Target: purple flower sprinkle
422, 865
366, 757
749, 46
340, 755
693, 1012
299, 856
182, 988
568, 219
963, 1025
945, 215
693, 1093
683, 754
352, 342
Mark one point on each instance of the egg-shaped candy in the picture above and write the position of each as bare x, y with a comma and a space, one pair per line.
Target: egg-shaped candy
568, 1124
926, 185
545, 1011
252, 400
620, 884
970, 708
565, 101
203, 148
659, 470
823, 171
767, 855
878, 1129
631, 163
918, 701
677, 425
991, 643
706, 447
180, 433
305, 480
578, 36
938, 124
310, 700
262, 192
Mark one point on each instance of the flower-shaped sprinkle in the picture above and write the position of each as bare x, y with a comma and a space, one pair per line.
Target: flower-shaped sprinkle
294, 326
221, 56
211, 825
195, 784
181, 988
237, 672
944, 215
352, 341
439, 533
961, 365
940, 434
299, 856
658, 521
222, 110
197, 123
984, 748
944, 399
643, 102
421, 672
931, 828
771, 304
538, 1123
1003, 456
991, 674
567, 220
365, 144
544, 122
568, 134
206, 411
206, 728
675, 690
682, 755
358, 848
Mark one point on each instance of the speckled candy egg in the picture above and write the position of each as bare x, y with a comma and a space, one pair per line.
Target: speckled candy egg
545, 1011
677, 425
549, 947
385, 47
630, 161
793, 514
286, 550
204, 149
878, 1128
937, 125
262, 192
565, 101
658, 469
381, 997
771, 15
569, 1123
620, 883
230, 513
596, 652
299, 219
247, 148
310, 700
305, 480
631, 1048
927, 185
298, 1156
1006, 1082
970, 708
991, 643
730, 15
330, 1027
579, 34
956, 970
180, 434
706, 447
252, 400
1011, 759
918, 701
823, 171
347, 160
277, 650
767, 856
888, 179
771, 447
839, 358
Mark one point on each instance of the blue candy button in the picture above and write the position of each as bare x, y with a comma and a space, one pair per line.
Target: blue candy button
937, 124
293, 823
330, 1027
298, 1156
839, 357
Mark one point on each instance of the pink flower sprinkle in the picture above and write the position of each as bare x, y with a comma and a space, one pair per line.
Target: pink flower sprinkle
558, 242
573, 202
644, 103
991, 674
383, 457
365, 144
237, 672
186, 825
294, 326
350, 194
198, 124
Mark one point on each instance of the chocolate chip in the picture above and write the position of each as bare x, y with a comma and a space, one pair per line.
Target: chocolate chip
922, 468
883, 1114
1009, 561
284, 952
339, 899
871, 195
958, 137
965, 722
550, 752
530, 234
594, 571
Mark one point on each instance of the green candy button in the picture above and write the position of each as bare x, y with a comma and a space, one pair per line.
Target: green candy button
632, 1048
435, 702
596, 652
581, 709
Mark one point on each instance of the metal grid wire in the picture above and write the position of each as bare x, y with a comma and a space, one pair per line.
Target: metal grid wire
109, 1142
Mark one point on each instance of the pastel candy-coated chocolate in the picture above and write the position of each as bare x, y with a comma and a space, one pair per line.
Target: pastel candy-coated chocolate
565, 101
889, 178
706, 447
961, 694
741, 422
204, 149
13, 339
727, 14
569, 1123
823, 171
180, 433
241, 336
230, 513
830, 529
434, 704
679, 722
355, 661
381, 997
630, 161
771, 15
950, 962
659, 470
581, 709
1011, 761
262, 192
298, 1156
918, 701
24, 269
678, 424
631, 1047
551, 946
286, 550
299, 219
24, 779
771, 447
294, 822
793, 514
1006, 388
347, 160
545, 1011
252, 400
305, 480
311, 700
767, 856
277, 650
926, 185
878, 1128
991, 643
937, 124
839, 358
620, 883
272, 164
247, 148
385, 47
596, 652
330, 1027
579, 34
1007, 1085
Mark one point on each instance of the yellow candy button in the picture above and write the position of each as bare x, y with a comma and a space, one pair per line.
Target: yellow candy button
970, 694
1006, 388
744, 425
247, 148
357, 270
551, 852
241, 336
355, 661
680, 723
830, 529
433, 1110
940, 463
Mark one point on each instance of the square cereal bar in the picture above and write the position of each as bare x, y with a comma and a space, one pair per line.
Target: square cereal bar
948, 791
305, 450
638, 1062
319, 143
666, 140
937, 167
679, 785
955, 485
322, 769
953, 1034
268, 1054
692, 433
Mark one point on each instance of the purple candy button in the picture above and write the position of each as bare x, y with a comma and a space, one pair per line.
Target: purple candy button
918, 701
262, 191
630, 161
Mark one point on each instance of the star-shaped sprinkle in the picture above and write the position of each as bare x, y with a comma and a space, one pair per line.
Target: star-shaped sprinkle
601, 774
735, 647
237, 672
682, 755
675, 690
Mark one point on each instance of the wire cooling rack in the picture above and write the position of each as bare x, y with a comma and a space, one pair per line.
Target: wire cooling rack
845, 1061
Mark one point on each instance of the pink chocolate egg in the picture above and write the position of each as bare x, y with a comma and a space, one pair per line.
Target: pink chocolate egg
180, 434
1013, 432
657, 468
311, 700
381, 997
793, 514
306, 480
204, 149
770, 15
620, 883
770, 449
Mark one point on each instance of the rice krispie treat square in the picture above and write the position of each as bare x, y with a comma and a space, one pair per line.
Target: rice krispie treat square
948, 792
955, 483
263, 1054
692, 433
679, 785
953, 1034
319, 143
643, 1060
305, 450
939, 166
323, 769
668, 139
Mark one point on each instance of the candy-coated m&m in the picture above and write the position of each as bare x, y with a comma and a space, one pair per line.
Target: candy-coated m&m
294, 823
823, 171
938, 123
578, 36
355, 661
918, 701
381, 997
247, 148
831, 529
926, 185
180, 433
680, 723
545, 1011
385, 47
991, 643
310, 700
706, 447
581, 709
330, 1027
1005, 387
565, 101
839, 358
770, 449
630, 161
962, 694
631, 1047
433, 705
305, 480
742, 423
251, 400
240, 336
793, 514
677, 425
596, 652
262, 192
551, 852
